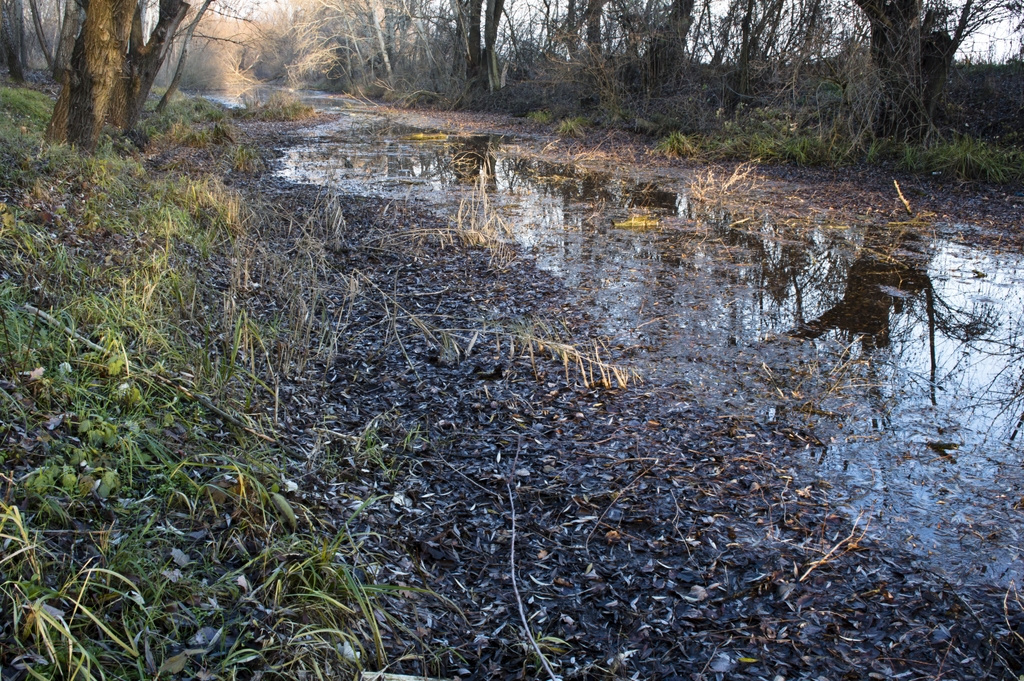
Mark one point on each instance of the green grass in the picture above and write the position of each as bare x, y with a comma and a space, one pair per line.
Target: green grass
965, 158
26, 107
678, 145
184, 111
245, 158
771, 137
145, 531
543, 116
573, 127
278, 107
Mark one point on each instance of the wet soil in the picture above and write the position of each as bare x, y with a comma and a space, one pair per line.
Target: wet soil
642, 531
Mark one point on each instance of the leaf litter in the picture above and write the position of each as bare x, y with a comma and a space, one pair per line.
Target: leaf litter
426, 394
654, 538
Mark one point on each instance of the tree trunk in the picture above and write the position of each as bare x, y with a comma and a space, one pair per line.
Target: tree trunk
92, 73
179, 70
595, 8
896, 53
667, 51
19, 22
493, 17
69, 27
142, 63
377, 19
10, 36
742, 89
41, 34
468, 20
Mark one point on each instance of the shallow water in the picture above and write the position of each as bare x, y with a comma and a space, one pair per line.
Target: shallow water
895, 359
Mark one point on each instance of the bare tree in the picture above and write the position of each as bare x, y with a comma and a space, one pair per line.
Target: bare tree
179, 68
12, 37
143, 59
41, 34
913, 48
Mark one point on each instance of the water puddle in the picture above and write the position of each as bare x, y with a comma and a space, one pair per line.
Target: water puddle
894, 359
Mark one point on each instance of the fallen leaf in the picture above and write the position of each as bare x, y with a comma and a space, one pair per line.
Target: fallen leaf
285, 510
180, 557
173, 665
697, 594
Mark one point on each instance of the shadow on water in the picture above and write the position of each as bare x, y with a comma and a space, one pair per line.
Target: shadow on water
898, 356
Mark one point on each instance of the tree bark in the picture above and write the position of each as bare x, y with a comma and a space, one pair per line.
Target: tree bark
10, 36
92, 74
142, 62
492, 18
179, 70
73, 17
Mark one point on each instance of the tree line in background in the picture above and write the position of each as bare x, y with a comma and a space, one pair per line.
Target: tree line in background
885, 60
877, 66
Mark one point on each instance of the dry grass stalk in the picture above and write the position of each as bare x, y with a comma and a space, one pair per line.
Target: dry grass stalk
714, 185
593, 370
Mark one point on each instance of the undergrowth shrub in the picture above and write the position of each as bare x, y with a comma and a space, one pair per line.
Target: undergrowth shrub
147, 525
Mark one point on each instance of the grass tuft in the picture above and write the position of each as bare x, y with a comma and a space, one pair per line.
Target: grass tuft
680, 146
277, 107
573, 127
542, 116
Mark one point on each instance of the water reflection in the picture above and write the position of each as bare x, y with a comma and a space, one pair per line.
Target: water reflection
877, 287
903, 355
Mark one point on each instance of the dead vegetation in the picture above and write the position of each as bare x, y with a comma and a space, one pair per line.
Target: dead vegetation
433, 401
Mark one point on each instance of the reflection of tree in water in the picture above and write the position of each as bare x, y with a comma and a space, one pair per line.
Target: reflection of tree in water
879, 287
876, 288
473, 160
861, 286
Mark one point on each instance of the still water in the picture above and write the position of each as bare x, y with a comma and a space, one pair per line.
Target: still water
894, 350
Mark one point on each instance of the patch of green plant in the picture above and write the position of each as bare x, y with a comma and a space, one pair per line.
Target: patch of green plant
186, 111
202, 137
965, 158
278, 107
148, 527
245, 158
680, 145
25, 107
573, 127
542, 116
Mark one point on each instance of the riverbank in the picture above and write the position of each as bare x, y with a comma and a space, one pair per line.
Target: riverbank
323, 432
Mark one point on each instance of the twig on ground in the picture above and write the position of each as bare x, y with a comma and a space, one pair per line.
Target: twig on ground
512, 567
849, 540
906, 204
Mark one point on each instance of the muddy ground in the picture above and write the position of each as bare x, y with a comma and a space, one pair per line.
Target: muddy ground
641, 534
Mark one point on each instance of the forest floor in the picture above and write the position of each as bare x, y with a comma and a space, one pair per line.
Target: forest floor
367, 438
633, 534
